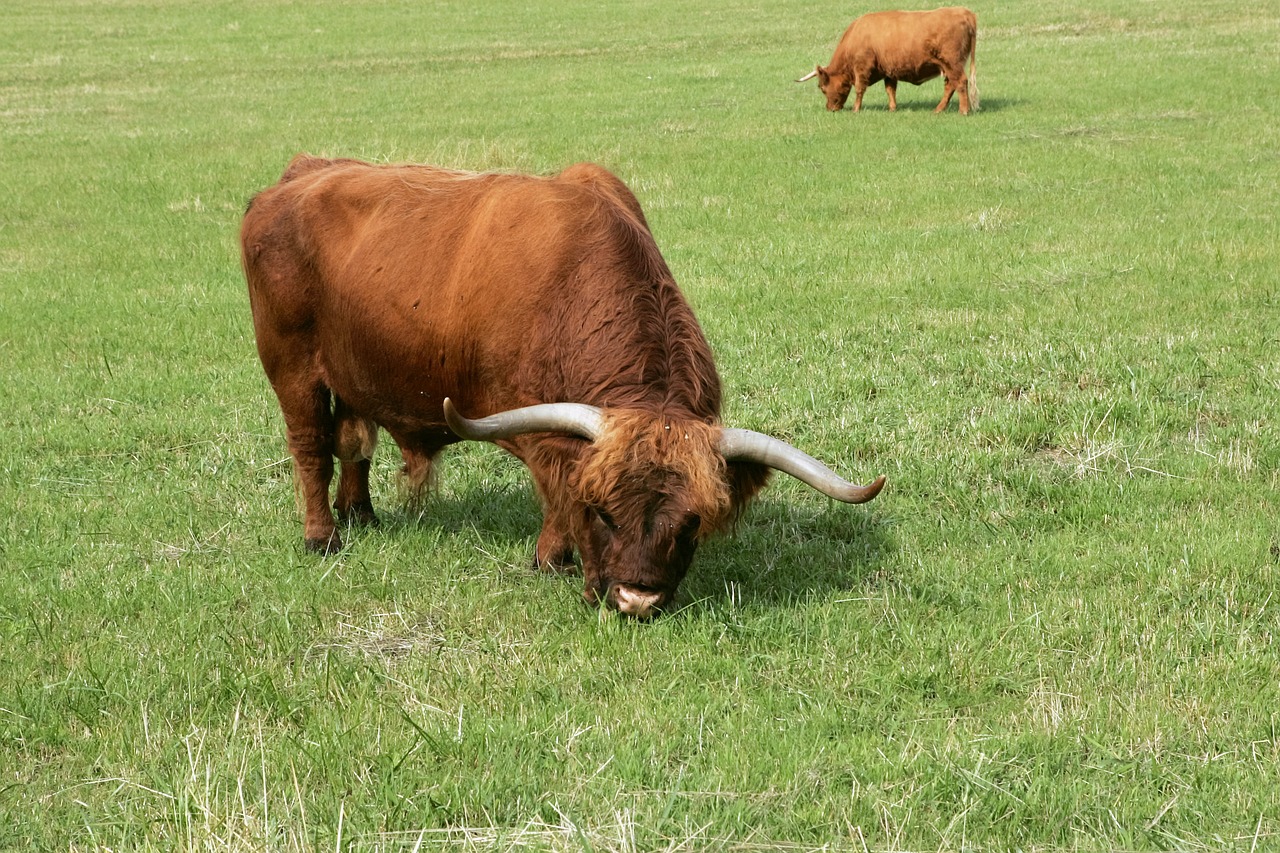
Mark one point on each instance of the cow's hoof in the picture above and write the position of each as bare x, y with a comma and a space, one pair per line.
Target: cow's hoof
325, 546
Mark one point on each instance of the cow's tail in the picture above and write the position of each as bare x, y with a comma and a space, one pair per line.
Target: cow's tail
973, 67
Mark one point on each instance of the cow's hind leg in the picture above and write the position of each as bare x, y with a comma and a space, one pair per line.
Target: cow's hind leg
355, 438
949, 90
309, 428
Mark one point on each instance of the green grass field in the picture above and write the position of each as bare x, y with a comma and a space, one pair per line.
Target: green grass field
1055, 326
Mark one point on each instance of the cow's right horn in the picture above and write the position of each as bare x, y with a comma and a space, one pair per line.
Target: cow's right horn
809, 76
573, 418
749, 446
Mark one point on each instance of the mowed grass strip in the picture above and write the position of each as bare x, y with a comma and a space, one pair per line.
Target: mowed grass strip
1053, 325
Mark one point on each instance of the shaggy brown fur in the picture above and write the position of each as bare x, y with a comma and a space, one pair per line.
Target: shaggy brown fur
669, 460
377, 291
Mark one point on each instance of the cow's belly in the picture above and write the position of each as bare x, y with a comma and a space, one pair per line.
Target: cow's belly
396, 377
917, 74
387, 384
395, 366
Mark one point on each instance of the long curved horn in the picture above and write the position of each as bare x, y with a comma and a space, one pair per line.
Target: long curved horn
573, 418
748, 446
809, 76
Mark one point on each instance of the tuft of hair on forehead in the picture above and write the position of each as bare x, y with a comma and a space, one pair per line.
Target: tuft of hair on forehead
639, 454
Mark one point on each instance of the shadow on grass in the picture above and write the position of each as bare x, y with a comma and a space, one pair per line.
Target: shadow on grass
992, 104
783, 552
505, 515
999, 104
779, 553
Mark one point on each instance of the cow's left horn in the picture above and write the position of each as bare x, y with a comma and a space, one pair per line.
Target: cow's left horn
748, 446
573, 418
809, 76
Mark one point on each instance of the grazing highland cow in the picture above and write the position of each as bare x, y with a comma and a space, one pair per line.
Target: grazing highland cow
903, 46
402, 297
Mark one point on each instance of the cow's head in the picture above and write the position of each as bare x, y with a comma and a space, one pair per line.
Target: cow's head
648, 489
835, 86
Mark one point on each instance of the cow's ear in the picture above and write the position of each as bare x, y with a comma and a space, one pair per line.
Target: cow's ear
823, 76
745, 480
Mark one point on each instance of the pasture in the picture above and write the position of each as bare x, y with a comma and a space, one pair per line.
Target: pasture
1054, 325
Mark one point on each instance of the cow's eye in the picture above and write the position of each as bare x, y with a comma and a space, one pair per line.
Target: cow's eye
604, 517
689, 528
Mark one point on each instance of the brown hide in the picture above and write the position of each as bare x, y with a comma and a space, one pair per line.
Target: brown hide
909, 47
377, 291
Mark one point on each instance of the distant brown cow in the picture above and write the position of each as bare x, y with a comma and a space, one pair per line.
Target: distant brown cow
383, 296
904, 46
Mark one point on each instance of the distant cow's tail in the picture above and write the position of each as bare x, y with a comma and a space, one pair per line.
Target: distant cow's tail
973, 66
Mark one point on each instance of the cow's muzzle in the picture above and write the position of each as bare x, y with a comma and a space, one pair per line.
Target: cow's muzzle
636, 602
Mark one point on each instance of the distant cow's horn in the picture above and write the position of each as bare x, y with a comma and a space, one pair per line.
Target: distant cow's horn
573, 418
748, 446
809, 76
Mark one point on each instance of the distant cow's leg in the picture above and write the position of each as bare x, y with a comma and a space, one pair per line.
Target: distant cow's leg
354, 441
859, 89
891, 89
946, 96
962, 87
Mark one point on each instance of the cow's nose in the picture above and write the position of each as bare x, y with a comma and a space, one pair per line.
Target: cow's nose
635, 602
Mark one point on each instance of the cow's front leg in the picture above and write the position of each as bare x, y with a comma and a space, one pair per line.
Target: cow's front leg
554, 551
859, 90
891, 89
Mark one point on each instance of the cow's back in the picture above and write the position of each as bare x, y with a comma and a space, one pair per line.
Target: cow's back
411, 283
903, 45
